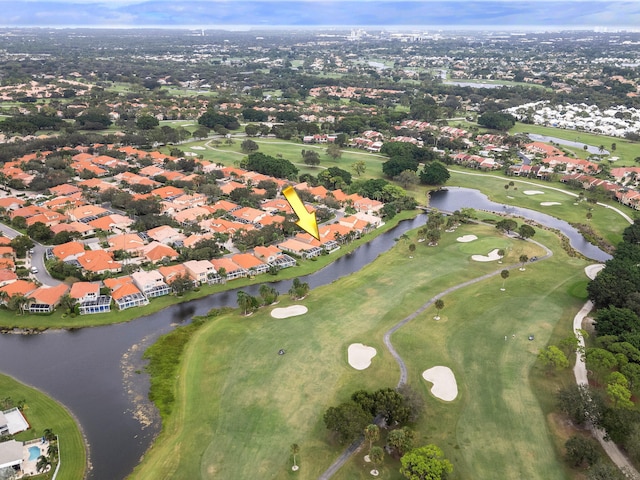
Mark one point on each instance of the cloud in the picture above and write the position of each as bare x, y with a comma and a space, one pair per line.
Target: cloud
507, 13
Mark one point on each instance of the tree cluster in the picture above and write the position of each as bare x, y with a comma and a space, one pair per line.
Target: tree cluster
268, 165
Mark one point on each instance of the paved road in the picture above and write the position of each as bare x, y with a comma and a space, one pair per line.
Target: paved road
344, 457
36, 260
580, 372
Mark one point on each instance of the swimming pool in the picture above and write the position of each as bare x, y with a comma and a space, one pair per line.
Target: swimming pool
34, 453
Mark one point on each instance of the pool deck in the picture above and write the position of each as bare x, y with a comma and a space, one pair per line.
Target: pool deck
29, 466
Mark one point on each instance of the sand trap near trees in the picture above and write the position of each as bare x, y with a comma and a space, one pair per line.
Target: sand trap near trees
533, 192
593, 270
292, 311
489, 257
197, 148
360, 355
466, 238
549, 204
444, 382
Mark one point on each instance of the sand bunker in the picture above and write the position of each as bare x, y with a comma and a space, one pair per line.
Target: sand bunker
197, 148
466, 238
549, 204
490, 257
292, 311
593, 270
533, 192
360, 355
444, 383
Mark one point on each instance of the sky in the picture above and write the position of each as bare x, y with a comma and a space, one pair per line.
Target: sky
513, 14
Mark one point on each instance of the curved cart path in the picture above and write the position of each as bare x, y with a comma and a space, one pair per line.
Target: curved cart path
351, 449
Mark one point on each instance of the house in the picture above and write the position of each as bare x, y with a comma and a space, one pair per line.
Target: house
86, 213
249, 215
111, 223
45, 299
11, 422
166, 234
99, 262
201, 271
191, 215
129, 242
88, 298
170, 273
11, 454
250, 263
299, 248
125, 293
7, 276
231, 269
151, 283
68, 251
274, 256
19, 287
156, 252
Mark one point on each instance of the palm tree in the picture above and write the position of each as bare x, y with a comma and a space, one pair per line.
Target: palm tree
52, 451
372, 434
42, 464
295, 449
439, 304
412, 247
523, 259
501, 253
504, 274
601, 149
244, 301
376, 456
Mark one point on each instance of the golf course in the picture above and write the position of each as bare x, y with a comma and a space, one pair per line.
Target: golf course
239, 405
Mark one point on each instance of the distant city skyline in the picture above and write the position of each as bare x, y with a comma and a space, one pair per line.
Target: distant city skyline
241, 14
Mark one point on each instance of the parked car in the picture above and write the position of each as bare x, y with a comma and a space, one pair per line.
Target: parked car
34, 269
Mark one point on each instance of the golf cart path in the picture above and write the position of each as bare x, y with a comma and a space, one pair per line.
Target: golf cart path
342, 459
580, 372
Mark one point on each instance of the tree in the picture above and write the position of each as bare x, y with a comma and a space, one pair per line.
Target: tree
347, 420
496, 120
507, 225
406, 178
248, 146
580, 404
616, 321
371, 434
605, 471
434, 173
40, 232
359, 167
439, 304
395, 165
401, 439
42, 463
298, 289
526, 231
295, 449
246, 302
433, 236
523, 260
334, 151
376, 455
268, 293
504, 274
581, 451
412, 247
425, 463
310, 157
147, 122
553, 357
501, 253
619, 395
182, 284
21, 244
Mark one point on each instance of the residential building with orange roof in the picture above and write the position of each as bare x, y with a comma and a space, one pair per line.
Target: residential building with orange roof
168, 192
271, 219
99, 262
156, 252
151, 283
87, 212
135, 179
191, 215
64, 203
27, 212
78, 227
19, 287
96, 183
68, 251
233, 172
5, 240
7, 263
171, 272
249, 215
129, 242
112, 223
318, 192
97, 170
45, 299
49, 218
220, 225
82, 157
6, 251
542, 148
129, 295
339, 195
225, 205
301, 249
192, 240
151, 171
172, 175
276, 205
11, 203
7, 276
231, 269
117, 282
88, 298
250, 263
229, 187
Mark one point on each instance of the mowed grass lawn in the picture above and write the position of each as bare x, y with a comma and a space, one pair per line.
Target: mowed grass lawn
607, 223
240, 405
42, 412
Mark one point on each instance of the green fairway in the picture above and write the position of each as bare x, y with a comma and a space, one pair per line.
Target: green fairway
604, 221
239, 405
43, 412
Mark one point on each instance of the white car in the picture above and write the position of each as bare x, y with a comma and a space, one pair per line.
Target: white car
34, 269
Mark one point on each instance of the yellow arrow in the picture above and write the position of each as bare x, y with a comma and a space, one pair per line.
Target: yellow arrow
306, 221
